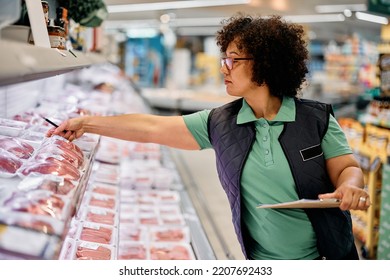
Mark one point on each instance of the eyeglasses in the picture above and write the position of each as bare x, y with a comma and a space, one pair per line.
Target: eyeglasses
230, 60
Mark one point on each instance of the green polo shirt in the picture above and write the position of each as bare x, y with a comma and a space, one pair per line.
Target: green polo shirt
266, 178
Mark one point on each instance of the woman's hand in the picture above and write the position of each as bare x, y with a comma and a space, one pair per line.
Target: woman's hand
351, 197
70, 129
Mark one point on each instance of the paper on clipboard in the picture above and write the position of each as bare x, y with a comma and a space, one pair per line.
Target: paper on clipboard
305, 203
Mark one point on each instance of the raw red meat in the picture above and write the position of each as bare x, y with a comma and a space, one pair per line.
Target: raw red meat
58, 152
98, 235
176, 252
9, 163
62, 188
100, 253
68, 145
132, 252
19, 148
52, 166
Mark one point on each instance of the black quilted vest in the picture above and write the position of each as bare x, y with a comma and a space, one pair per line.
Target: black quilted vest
300, 141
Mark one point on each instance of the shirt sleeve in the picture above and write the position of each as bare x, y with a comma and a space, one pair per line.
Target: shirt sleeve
197, 125
334, 142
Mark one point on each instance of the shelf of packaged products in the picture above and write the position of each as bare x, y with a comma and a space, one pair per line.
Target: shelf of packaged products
47, 241
24, 62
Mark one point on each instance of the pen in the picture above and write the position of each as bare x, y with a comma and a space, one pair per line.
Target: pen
52, 123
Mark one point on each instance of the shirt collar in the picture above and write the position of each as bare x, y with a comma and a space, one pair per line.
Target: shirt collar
286, 112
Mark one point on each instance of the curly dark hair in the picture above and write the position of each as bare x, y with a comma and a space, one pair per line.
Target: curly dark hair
278, 48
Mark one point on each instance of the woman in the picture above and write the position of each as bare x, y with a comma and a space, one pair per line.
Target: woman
270, 145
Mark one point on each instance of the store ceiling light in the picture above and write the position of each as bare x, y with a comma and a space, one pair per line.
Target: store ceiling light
340, 8
371, 18
172, 5
315, 18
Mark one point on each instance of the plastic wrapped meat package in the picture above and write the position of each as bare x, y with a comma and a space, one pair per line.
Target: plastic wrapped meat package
133, 232
50, 166
60, 146
163, 178
174, 220
48, 152
171, 251
104, 189
97, 233
50, 162
149, 219
129, 218
101, 201
11, 128
133, 251
106, 173
42, 224
17, 146
39, 245
9, 164
38, 202
100, 216
169, 209
33, 138
170, 234
55, 184
94, 251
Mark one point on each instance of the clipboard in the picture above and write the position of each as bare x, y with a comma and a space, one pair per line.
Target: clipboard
305, 203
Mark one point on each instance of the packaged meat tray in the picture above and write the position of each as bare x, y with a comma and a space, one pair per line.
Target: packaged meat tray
172, 220
133, 251
100, 216
11, 128
170, 234
55, 184
104, 189
102, 201
9, 164
97, 233
42, 224
94, 251
39, 202
171, 251
40, 246
133, 232
17, 146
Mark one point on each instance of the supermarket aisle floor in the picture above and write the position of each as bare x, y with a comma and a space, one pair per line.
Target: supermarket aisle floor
199, 175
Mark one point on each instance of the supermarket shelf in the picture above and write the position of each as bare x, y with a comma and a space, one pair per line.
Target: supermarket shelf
23, 62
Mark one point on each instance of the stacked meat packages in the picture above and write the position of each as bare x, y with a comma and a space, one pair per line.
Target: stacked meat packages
131, 209
41, 182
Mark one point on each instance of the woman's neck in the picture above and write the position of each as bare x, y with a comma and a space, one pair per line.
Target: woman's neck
263, 104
